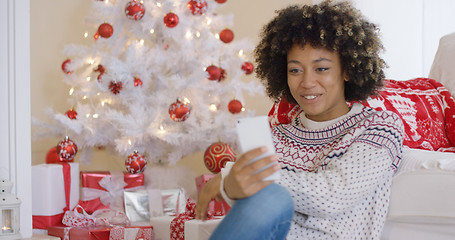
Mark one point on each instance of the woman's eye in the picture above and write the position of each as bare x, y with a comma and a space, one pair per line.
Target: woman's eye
322, 69
294, 70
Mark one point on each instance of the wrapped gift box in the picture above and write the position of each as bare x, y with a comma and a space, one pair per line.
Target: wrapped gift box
100, 190
173, 201
132, 232
48, 193
141, 205
193, 229
80, 233
216, 208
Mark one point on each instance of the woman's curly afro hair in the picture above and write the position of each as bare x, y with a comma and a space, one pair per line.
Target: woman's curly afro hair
335, 26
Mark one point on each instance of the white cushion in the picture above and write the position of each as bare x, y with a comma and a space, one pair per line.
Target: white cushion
443, 68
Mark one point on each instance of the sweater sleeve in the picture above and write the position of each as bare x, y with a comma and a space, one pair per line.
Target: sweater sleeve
349, 177
224, 172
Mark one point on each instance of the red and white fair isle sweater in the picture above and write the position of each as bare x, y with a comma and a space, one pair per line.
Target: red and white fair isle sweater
339, 172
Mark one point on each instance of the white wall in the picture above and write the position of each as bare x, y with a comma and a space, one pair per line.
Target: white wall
15, 144
411, 30
4, 138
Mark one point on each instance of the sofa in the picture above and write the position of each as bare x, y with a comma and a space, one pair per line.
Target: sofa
422, 204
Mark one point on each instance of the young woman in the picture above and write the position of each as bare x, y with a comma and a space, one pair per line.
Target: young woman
337, 158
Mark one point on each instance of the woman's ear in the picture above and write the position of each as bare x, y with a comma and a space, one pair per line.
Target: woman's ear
345, 77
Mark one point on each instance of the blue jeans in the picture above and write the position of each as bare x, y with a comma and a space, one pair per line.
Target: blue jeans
266, 215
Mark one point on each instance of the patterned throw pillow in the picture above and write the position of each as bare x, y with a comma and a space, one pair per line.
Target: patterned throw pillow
425, 106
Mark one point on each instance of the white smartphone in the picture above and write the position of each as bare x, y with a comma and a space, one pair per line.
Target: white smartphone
254, 132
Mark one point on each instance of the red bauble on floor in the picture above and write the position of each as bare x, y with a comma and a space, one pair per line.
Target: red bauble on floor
53, 157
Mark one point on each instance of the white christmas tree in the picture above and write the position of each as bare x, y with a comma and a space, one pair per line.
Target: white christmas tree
158, 79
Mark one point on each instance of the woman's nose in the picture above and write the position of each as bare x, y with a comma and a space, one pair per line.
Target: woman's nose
307, 81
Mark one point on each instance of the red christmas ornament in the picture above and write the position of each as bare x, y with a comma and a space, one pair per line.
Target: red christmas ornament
171, 20
220, 1
134, 10
214, 72
105, 30
99, 77
137, 82
66, 149
135, 163
101, 70
216, 156
226, 35
115, 86
197, 7
100, 147
235, 106
179, 111
65, 67
52, 156
222, 75
96, 35
248, 68
72, 114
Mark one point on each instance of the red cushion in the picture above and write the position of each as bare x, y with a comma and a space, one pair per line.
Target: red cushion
425, 106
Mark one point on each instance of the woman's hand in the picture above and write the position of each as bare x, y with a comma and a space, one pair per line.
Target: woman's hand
244, 180
211, 190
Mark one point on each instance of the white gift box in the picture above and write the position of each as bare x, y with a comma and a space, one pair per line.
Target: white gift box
194, 229
48, 189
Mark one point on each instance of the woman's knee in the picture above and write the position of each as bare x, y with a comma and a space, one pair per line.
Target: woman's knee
269, 212
273, 199
279, 199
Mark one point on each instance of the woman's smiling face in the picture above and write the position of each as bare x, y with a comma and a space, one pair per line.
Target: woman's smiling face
316, 81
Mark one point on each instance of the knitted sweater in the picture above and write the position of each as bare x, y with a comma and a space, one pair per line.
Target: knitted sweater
339, 173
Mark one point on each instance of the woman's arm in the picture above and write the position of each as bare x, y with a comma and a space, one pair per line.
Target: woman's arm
211, 190
243, 180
